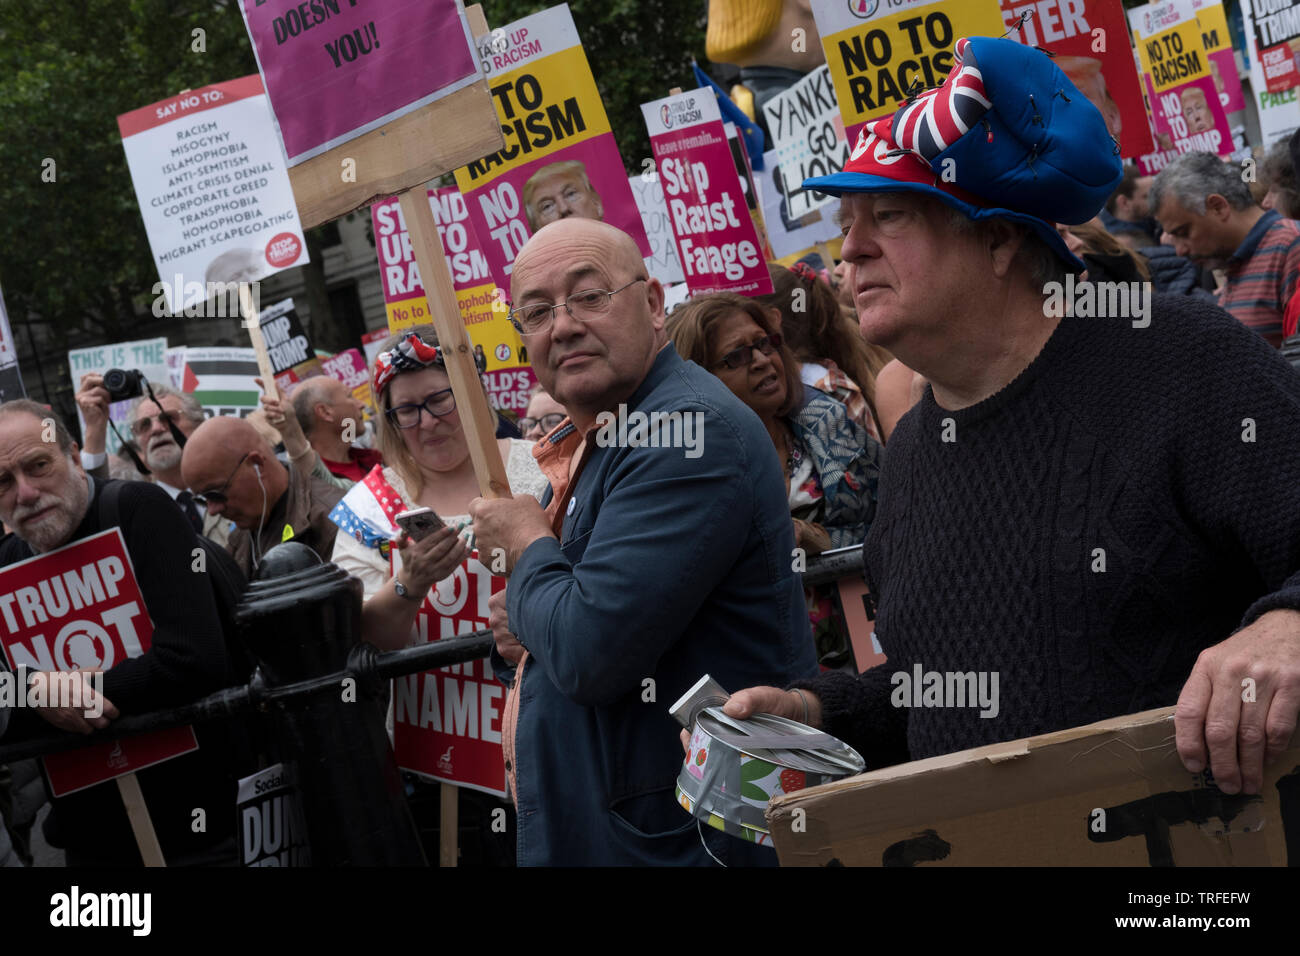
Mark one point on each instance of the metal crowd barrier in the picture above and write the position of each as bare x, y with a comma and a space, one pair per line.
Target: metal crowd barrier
301, 625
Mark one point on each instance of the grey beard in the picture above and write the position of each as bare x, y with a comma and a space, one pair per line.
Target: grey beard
165, 458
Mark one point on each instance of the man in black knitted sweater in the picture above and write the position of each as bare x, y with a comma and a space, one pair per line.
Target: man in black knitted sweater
48, 501
1098, 512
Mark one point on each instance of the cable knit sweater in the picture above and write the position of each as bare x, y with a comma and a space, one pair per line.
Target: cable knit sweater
1130, 499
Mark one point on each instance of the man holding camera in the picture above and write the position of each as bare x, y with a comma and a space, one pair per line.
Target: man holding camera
151, 428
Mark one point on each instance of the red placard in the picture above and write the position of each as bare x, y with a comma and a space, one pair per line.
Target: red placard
447, 722
1089, 39
81, 607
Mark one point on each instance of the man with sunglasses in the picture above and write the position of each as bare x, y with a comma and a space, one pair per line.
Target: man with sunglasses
646, 570
235, 473
148, 424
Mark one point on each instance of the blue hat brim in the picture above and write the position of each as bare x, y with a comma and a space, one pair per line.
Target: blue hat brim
839, 183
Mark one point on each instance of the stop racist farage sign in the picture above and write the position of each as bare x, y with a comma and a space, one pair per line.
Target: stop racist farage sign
81, 607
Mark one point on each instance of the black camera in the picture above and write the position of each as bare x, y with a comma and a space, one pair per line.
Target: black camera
122, 384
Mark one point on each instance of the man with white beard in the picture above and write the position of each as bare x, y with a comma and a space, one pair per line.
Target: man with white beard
157, 445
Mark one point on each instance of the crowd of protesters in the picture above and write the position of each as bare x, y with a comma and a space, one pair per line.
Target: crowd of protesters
1097, 509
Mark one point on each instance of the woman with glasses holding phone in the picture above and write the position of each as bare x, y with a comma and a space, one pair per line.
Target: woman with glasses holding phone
436, 586
831, 464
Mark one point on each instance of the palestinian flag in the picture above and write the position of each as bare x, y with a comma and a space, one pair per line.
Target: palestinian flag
222, 379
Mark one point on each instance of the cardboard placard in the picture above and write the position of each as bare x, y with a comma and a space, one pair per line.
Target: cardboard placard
350, 368
213, 190
1185, 108
272, 831
11, 380
337, 70
808, 133
1089, 41
222, 380
288, 349
1274, 31
447, 722
80, 607
876, 50
484, 311
1217, 38
550, 112
145, 355
1114, 793
718, 244
662, 262
1279, 110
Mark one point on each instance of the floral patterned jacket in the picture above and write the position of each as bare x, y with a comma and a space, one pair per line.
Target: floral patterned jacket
847, 460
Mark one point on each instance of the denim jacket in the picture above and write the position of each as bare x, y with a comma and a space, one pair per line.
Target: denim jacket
668, 567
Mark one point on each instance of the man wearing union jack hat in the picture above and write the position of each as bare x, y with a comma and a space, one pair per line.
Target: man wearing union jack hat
1091, 509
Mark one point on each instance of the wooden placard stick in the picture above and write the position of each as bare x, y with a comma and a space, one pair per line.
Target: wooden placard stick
141, 824
253, 322
475, 414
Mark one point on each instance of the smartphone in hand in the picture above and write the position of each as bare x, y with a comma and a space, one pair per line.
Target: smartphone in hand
419, 523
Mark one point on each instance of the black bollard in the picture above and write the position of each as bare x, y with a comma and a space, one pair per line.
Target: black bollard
302, 619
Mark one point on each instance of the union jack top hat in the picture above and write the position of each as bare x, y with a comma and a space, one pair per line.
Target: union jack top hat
1006, 136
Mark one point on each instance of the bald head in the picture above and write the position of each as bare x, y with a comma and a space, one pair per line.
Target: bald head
228, 462
593, 360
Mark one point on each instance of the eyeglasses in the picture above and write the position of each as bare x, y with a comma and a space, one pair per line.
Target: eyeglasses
739, 358
548, 422
143, 426
583, 306
218, 497
438, 404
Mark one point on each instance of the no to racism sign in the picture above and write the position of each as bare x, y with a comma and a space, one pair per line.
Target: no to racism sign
213, 189
336, 69
80, 607
481, 301
876, 49
560, 157
1186, 111
717, 242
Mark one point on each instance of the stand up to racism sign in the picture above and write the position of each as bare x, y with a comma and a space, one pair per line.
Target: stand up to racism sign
336, 69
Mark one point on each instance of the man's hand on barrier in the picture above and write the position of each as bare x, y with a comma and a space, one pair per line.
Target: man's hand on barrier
428, 561
507, 524
508, 645
1241, 702
63, 709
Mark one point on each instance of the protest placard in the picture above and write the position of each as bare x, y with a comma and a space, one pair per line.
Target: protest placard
287, 347
484, 312
80, 607
559, 158
1279, 104
211, 183
1274, 29
11, 380
1176, 70
662, 261
1089, 42
808, 133
371, 343
222, 380
336, 70
717, 242
447, 722
789, 238
1218, 44
877, 50
272, 831
350, 368
145, 355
